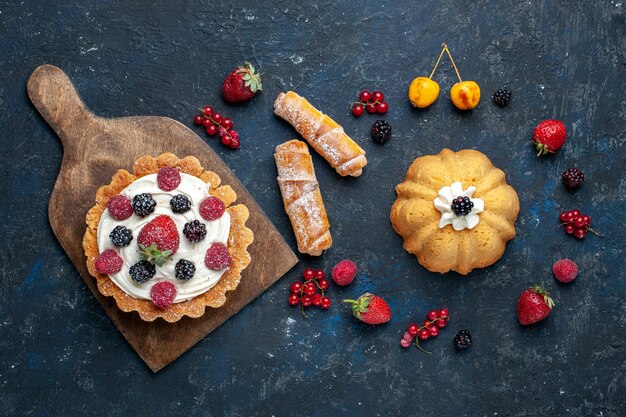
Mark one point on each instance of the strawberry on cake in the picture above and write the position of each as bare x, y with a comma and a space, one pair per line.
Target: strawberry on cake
167, 241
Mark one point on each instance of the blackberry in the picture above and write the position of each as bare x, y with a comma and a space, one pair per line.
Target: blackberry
381, 131
185, 269
573, 178
143, 204
462, 206
142, 271
121, 236
180, 204
195, 231
502, 97
463, 340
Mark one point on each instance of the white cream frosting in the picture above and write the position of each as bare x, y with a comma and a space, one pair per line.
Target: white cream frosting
443, 203
217, 231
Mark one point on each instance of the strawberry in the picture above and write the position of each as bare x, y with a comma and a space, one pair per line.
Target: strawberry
534, 305
549, 136
158, 240
241, 84
370, 309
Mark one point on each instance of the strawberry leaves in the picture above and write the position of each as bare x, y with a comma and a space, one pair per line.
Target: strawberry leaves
153, 254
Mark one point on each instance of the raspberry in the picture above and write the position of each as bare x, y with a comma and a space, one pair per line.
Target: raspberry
142, 271
121, 236
180, 204
120, 207
565, 270
163, 294
195, 231
185, 269
109, 262
143, 204
168, 178
344, 272
211, 208
217, 257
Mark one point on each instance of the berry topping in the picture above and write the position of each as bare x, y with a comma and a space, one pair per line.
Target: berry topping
211, 208
565, 270
180, 203
534, 305
462, 206
381, 131
121, 236
168, 178
217, 257
463, 340
549, 136
370, 309
502, 97
120, 207
241, 84
109, 262
158, 240
163, 294
344, 272
573, 178
195, 231
143, 204
142, 271
185, 269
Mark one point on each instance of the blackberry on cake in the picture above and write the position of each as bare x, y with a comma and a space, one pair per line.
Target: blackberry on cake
142, 271
180, 204
143, 204
185, 269
121, 236
195, 231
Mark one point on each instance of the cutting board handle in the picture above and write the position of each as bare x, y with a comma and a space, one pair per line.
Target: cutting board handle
55, 97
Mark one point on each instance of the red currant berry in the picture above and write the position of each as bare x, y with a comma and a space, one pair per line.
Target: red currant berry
405, 343
198, 119
434, 331
217, 118
211, 130
234, 143
408, 336
323, 284
207, 122
378, 96
413, 329
319, 274
310, 289
317, 300
308, 274
432, 315
424, 334
569, 229
563, 217
426, 324
207, 110
226, 140
370, 108
306, 301
357, 109
294, 299
580, 233
586, 220
579, 221
365, 96
441, 323
382, 107
325, 303
227, 123
443, 313
575, 213
296, 287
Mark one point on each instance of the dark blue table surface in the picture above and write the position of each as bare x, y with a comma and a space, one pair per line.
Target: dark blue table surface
60, 354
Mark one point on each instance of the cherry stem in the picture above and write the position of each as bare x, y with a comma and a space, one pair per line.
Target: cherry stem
420, 348
589, 229
437, 63
430, 322
445, 48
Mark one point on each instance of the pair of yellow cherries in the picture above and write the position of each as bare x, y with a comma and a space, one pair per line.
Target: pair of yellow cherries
423, 91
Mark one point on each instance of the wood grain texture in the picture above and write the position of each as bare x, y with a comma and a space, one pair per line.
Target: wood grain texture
94, 149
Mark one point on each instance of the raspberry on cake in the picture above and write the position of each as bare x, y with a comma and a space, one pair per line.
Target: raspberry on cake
165, 275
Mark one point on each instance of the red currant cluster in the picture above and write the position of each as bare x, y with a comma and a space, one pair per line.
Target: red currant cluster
215, 123
430, 328
576, 224
372, 103
305, 293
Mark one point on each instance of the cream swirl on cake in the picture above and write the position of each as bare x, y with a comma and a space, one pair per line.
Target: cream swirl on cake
444, 201
217, 231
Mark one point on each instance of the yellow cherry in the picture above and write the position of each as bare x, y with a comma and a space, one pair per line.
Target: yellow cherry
423, 92
465, 95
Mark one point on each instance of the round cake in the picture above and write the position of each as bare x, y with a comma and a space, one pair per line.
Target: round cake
167, 241
455, 211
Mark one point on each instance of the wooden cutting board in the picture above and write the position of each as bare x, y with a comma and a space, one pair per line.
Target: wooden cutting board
94, 148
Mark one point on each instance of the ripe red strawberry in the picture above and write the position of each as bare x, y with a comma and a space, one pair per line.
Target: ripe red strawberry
241, 84
159, 239
370, 309
549, 136
534, 305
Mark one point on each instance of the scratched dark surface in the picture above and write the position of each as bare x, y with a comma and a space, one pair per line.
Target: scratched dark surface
60, 354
